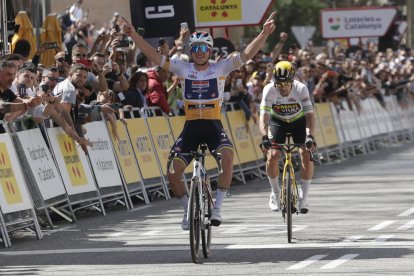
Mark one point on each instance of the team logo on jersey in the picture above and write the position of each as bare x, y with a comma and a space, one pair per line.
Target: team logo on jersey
200, 84
192, 76
286, 109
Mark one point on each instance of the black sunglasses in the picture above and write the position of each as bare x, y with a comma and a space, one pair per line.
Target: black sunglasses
61, 59
52, 78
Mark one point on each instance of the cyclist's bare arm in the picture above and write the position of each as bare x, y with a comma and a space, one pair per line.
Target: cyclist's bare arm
258, 43
264, 123
140, 42
310, 123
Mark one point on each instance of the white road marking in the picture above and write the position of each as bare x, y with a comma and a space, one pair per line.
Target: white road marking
381, 225
370, 244
407, 226
339, 261
151, 233
383, 238
407, 213
353, 238
306, 262
116, 234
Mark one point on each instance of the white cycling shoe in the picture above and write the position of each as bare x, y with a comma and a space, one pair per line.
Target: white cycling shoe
185, 225
303, 206
215, 218
274, 202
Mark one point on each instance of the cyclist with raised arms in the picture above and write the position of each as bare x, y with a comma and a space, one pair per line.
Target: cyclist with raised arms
203, 87
286, 108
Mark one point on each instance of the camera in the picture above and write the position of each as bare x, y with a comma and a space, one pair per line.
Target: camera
123, 43
45, 88
116, 27
161, 42
141, 31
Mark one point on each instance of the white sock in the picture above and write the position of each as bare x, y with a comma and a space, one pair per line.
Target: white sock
274, 184
305, 187
184, 202
221, 194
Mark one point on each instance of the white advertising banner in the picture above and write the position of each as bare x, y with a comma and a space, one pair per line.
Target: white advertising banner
14, 196
41, 163
102, 157
356, 22
72, 163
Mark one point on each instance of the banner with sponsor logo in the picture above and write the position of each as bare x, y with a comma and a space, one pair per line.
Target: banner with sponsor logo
125, 154
14, 196
72, 163
141, 143
41, 163
102, 156
356, 22
226, 13
241, 137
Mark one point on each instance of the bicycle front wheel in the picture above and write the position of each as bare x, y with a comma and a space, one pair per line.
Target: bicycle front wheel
289, 204
194, 217
206, 231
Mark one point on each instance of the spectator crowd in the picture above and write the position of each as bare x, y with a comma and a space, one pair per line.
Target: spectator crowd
98, 73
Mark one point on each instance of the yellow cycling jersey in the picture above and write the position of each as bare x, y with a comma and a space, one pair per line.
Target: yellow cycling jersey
203, 89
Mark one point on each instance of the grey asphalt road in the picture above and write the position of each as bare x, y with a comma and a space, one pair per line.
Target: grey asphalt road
361, 221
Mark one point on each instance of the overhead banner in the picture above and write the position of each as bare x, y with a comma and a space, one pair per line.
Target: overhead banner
356, 22
73, 165
161, 18
102, 156
41, 163
226, 13
13, 193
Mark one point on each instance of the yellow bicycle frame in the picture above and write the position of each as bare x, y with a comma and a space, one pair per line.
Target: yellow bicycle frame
288, 169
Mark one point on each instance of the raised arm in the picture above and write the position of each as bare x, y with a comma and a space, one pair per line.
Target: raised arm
140, 42
258, 43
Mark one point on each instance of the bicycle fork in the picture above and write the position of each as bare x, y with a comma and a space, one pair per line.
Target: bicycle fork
288, 169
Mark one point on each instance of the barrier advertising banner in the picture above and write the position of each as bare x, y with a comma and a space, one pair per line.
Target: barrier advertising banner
13, 193
102, 156
356, 22
41, 163
73, 165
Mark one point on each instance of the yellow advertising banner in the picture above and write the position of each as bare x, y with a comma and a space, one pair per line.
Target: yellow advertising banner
124, 152
163, 139
177, 125
7, 178
257, 138
141, 143
218, 10
318, 132
241, 138
72, 161
327, 123
236, 160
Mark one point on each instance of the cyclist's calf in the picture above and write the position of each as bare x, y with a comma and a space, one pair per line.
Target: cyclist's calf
175, 179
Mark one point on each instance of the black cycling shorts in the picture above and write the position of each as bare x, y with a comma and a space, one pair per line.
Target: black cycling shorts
278, 130
196, 132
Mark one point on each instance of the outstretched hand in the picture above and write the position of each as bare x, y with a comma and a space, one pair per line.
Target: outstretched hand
126, 27
269, 25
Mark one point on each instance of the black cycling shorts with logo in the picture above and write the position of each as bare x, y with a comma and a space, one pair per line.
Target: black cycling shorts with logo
196, 132
278, 130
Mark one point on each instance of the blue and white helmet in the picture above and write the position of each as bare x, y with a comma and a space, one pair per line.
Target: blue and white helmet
201, 37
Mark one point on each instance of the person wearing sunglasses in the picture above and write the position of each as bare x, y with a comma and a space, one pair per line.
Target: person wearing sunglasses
202, 81
50, 77
286, 108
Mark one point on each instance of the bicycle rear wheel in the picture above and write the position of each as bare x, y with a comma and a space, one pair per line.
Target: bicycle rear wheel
194, 217
289, 205
206, 231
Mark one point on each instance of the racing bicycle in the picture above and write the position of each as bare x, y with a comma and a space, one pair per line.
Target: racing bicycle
200, 203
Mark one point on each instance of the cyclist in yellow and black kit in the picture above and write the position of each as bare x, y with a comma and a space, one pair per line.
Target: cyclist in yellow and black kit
203, 87
286, 108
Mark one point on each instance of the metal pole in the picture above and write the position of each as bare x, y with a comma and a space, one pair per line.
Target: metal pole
410, 21
3, 26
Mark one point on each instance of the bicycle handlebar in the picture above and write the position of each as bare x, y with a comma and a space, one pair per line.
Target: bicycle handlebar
195, 155
291, 147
